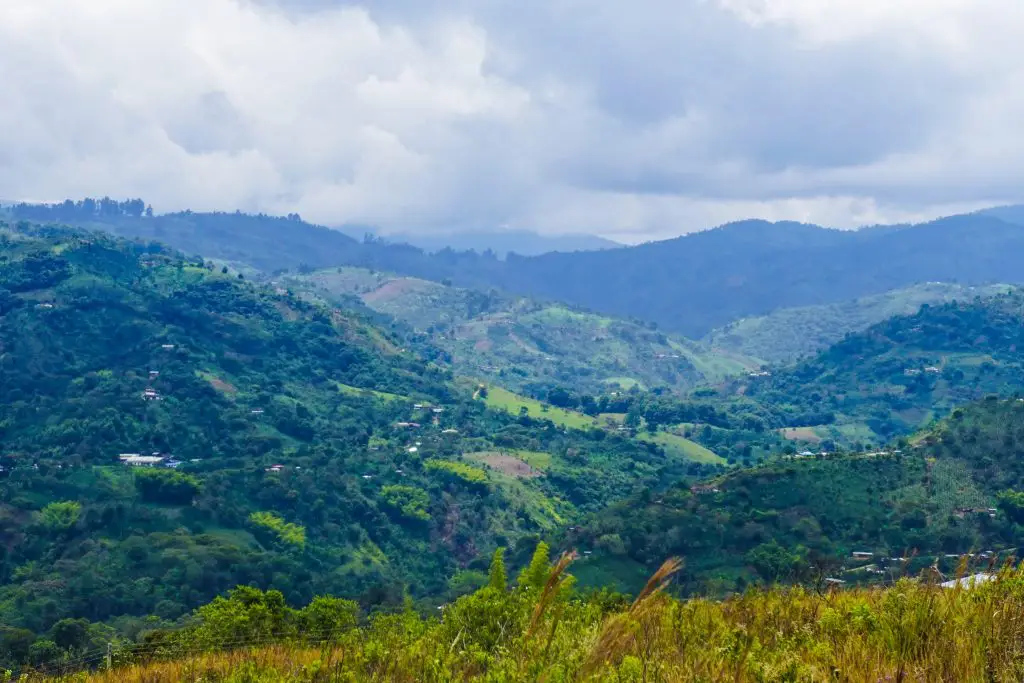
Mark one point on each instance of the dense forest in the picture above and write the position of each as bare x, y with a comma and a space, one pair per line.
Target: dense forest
302, 449
691, 284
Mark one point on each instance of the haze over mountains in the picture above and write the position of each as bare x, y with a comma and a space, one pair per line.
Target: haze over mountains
500, 241
690, 284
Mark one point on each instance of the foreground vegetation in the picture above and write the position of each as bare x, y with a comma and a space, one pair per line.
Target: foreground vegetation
543, 629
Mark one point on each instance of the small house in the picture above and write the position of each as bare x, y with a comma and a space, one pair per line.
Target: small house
450, 431
862, 555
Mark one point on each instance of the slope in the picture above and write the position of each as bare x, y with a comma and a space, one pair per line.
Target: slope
899, 374
501, 242
525, 344
302, 449
800, 518
789, 333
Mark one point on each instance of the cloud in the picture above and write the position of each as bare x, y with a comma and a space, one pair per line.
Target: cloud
637, 120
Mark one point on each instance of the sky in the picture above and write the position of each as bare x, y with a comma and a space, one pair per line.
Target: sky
636, 121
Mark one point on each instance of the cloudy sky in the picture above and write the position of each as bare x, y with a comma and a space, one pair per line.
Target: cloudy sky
635, 120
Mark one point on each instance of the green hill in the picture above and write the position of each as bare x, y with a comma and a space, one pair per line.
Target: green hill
898, 375
303, 450
525, 344
798, 518
789, 333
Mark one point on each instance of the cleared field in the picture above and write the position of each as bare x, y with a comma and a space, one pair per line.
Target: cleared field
502, 399
356, 391
800, 434
682, 447
506, 463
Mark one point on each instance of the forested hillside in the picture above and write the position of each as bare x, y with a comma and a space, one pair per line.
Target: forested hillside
691, 284
790, 333
953, 490
527, 345
900, 374
301, 448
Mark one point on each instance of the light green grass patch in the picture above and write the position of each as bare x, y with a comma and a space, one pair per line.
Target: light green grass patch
682, 447
521, 494
467, 473
364, 393
502, 399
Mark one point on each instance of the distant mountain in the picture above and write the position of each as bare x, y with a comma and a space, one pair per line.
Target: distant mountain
789, 333
501, 242
1013, 213
526, 344
704, 280
690, 284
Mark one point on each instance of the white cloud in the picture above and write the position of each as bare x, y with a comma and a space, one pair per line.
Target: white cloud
635, 119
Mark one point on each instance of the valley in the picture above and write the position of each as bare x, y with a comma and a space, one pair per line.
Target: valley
359, 432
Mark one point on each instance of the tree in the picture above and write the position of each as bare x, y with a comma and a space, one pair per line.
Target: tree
535, 575
497, 577
60, 516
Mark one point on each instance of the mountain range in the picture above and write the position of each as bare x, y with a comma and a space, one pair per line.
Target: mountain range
691, 284
500, 242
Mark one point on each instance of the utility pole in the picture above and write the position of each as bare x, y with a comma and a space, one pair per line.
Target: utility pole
110, 656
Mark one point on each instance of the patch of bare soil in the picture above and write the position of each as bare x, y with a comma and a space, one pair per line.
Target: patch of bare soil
507, 464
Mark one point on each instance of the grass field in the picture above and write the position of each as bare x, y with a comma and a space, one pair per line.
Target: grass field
673, 444
502, 399
682, 447
356, 391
